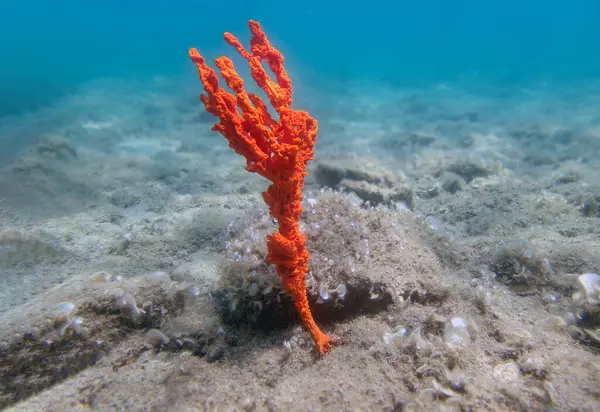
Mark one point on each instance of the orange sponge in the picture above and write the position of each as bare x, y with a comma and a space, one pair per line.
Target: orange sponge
278, 150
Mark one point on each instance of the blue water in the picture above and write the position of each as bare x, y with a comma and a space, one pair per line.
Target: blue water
50, 47
478, 121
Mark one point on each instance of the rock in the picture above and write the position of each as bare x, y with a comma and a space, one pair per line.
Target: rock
366, 180
376, 195
37, 353
216, 354
421, 139
468, 169
567, 176
331, 172
452, 183
123, 198
563, 136
529, 133
56, 147
375, 256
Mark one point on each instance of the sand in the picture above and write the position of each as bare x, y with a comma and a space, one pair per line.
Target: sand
431, 208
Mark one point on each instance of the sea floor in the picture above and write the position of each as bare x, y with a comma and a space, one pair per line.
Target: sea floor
449, 231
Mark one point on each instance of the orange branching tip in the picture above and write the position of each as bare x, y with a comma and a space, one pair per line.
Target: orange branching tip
278, 150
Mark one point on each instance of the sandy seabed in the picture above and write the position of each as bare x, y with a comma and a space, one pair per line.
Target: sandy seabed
448, 232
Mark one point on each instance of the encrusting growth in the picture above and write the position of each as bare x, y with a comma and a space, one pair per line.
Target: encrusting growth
278, 150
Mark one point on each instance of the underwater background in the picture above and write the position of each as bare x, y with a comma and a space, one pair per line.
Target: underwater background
50, 48
451, 211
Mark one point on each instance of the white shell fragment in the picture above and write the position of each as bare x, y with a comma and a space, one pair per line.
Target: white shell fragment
64, 309
340, 291
156, 338
587, 289
76, 325
129, 307
324, 292
161, 277
63, 318
104, 277
417, 341
396, 336
456, 332
506, 372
